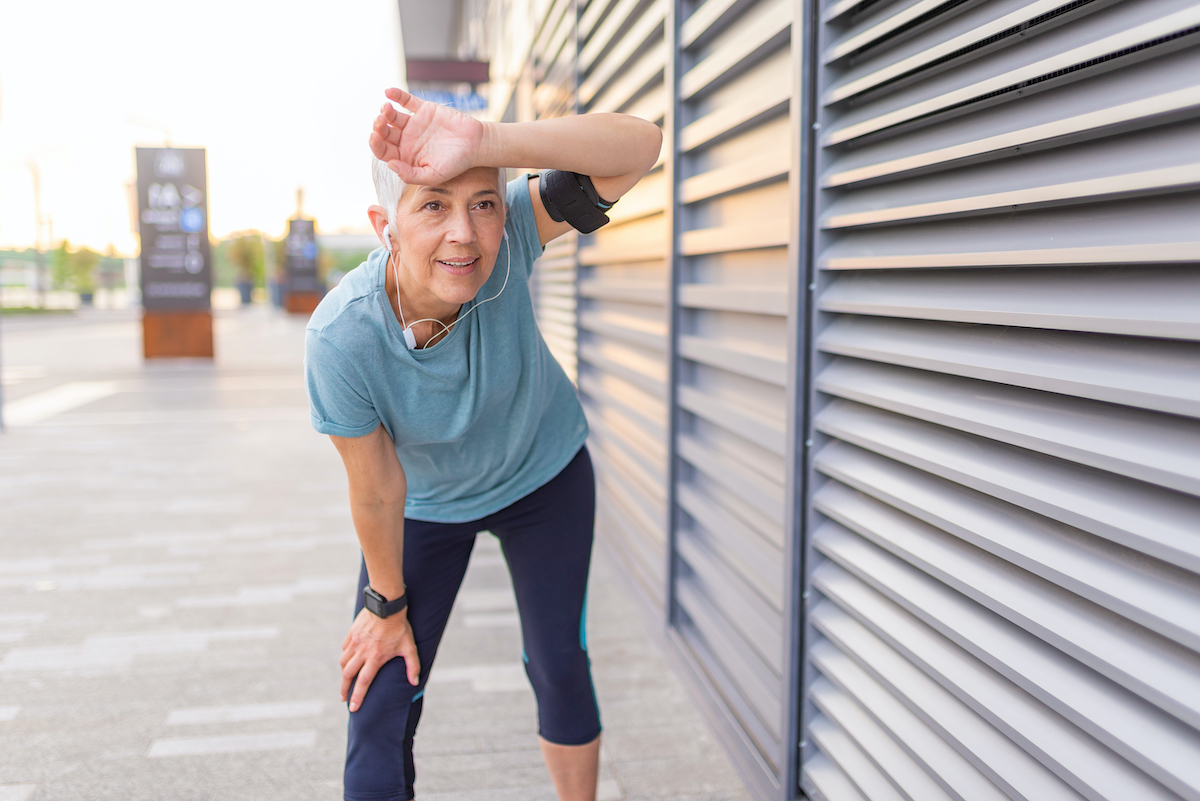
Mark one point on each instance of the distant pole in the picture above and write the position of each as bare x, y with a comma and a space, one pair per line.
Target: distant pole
37, 237
1, 367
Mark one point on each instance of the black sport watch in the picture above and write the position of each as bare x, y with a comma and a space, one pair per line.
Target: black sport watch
381, 607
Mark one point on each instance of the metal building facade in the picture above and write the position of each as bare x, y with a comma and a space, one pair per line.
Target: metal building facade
1005, 530
893, 374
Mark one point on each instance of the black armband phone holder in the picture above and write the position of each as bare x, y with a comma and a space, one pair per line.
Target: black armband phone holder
571, 197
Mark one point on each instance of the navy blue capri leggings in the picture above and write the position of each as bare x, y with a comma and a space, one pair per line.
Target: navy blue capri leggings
547, 542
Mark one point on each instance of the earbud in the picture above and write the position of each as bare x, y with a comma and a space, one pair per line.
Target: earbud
505, 234
387, 237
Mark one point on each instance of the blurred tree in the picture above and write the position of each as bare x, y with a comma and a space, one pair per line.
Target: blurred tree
60, 266
239, 258
73, 271
83, 269
246, 254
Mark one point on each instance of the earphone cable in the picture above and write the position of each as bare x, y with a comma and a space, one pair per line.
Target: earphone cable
446, 328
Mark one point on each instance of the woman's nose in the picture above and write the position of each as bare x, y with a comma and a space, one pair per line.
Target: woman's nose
461, 228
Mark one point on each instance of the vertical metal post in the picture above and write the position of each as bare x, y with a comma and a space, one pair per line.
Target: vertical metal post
1, 362
673, 175
801, 186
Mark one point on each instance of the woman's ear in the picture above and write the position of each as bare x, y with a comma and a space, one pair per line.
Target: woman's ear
379, 222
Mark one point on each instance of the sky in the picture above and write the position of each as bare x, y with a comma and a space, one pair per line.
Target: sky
281, 94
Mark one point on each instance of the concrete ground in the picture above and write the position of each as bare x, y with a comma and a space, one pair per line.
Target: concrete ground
177, 570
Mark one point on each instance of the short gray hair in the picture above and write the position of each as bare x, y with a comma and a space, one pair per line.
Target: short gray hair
389, 187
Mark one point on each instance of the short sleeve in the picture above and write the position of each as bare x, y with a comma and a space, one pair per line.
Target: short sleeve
338, 400
521, 224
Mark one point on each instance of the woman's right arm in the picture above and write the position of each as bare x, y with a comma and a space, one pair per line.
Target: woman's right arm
377, 491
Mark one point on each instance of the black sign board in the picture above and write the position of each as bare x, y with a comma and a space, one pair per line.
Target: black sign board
300, 257
173, 227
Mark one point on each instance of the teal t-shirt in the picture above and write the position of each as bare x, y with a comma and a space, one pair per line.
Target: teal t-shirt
479, 420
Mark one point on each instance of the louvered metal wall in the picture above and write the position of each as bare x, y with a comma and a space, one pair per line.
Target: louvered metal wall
1006, 530
553, 94
623, 290
735, 276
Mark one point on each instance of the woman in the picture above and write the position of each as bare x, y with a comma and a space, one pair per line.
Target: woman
426, 369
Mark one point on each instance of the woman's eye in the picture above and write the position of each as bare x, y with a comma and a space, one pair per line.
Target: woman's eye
486, 205
433, 205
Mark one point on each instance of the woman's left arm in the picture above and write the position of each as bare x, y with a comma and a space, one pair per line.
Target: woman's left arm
615, 150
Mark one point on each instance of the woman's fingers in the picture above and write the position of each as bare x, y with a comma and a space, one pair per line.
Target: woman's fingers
410, 102
366, 675
412, 663
350, 669
383, 150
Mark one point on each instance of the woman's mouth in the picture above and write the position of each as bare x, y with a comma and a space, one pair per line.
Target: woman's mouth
458, 266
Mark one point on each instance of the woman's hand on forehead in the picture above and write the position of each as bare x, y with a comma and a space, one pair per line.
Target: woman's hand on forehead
429, 146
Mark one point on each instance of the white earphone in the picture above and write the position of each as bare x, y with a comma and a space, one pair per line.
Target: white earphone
410, 339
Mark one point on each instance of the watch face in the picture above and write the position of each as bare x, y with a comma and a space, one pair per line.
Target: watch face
373, 601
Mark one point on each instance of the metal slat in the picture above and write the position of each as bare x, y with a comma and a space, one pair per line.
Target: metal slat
1157, 670
1074, 63
606, 33
1157, 596
769, 30
753, 556
748, 174
735, 298
756, 105
855, 766
1159, 745
750, 359
1008, 765
727, 239
731, 656
754, 426
1078, 760
1177, 178
764, 497
647, 27
757, 626
890, 756
1154, 110
1164, 376
1129, 442
634, 79
948, 768
824, 782
907, 21
627, 328
736, 711
983, 36
1148, 519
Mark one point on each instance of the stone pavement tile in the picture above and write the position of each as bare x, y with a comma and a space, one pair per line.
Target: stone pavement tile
498, 770
667, 778
685, 740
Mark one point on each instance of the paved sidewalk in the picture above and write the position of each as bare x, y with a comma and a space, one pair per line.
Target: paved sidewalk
177, 570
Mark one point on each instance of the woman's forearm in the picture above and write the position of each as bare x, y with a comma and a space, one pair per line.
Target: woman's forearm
380, 529
614, 149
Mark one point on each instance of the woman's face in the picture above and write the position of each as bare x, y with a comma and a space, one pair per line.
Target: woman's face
449, 235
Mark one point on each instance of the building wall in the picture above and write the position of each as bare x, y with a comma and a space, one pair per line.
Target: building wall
892, 370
